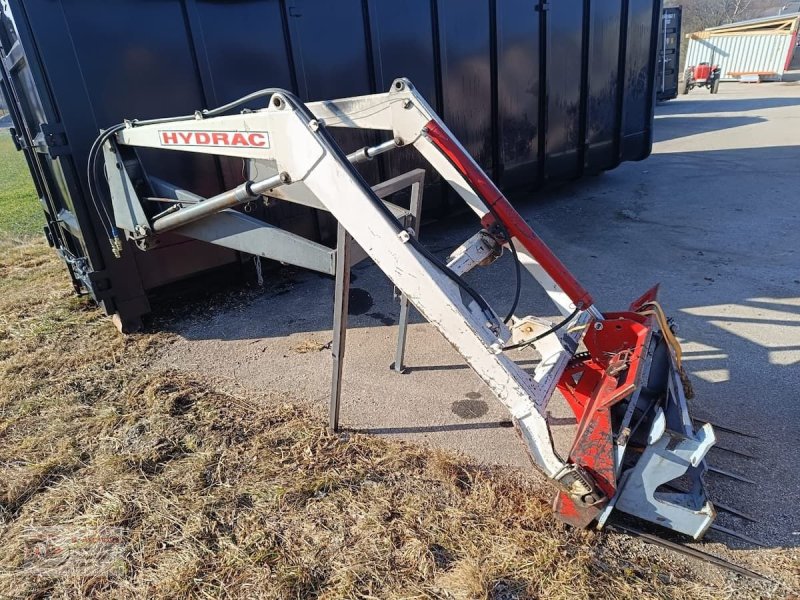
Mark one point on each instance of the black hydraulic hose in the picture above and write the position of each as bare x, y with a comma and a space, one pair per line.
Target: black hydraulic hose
517, 266
553, 329
215, 112
244, 100
92, 182
506, 234
518, 275
448, 272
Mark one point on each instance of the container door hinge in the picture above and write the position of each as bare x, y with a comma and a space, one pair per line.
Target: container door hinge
48, 234
18, 140
85, 279
51, 140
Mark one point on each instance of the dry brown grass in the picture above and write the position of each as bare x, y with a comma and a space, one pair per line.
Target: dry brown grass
235, 497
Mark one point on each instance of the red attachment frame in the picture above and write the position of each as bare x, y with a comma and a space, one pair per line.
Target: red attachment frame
616, 344
513, 221
591, 386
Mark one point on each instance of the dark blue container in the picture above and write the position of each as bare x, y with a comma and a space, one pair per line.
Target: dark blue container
536, 90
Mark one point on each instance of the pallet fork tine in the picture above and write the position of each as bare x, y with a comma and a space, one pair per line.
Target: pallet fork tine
730, 475
736, 512
736, 534
717, 446
691, 552
726, 428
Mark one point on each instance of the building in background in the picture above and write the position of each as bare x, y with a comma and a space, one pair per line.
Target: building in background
758, 49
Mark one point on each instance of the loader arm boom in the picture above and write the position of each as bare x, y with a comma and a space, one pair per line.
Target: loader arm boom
289, 146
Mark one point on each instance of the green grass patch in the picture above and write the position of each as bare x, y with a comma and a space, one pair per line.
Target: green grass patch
20, 211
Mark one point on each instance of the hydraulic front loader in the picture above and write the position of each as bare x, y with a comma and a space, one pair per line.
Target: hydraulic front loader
619, 371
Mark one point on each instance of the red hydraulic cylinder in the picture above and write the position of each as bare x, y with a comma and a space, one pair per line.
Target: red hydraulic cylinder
513, 221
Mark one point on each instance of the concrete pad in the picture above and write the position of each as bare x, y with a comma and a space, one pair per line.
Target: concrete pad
713, 215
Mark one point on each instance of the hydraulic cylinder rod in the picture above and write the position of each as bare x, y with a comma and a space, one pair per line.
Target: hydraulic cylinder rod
239, 195
370, 152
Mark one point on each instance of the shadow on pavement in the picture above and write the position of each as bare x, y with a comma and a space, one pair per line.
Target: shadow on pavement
435, 428
679, 126
686, 105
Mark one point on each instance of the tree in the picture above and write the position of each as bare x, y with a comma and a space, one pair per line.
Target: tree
700, 14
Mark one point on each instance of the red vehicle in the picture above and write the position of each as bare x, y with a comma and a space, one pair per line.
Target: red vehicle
703, 75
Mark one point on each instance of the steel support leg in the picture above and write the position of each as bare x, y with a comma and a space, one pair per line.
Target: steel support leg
402, 332
340, 306
415, 208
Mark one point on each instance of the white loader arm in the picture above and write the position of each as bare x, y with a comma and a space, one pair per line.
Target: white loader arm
293, 157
